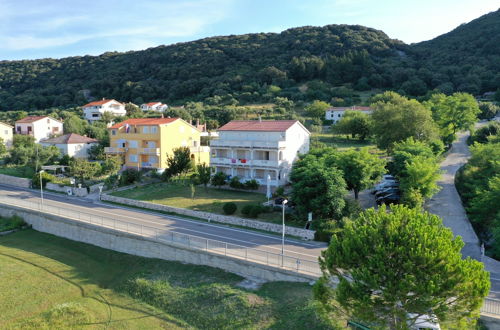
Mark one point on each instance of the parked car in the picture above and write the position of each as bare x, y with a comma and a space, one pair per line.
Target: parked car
388, 177
385, 184
388, 199
388, 191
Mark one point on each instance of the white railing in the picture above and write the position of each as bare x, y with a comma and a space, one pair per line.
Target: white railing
150, 151
172, 237
491, 306
113, 150
247, 144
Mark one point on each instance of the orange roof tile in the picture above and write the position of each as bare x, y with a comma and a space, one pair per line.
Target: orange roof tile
145, 121
71, 138
256, 125
150, 104
353, 108
32, 119
95, 103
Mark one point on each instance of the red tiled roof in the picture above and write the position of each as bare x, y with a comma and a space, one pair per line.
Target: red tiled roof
150, 104
355, 108
5, 124
95, 103
71, 138
145, 121
31, 119
256, 125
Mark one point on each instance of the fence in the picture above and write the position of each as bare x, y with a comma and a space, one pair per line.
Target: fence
172, 237
491, 306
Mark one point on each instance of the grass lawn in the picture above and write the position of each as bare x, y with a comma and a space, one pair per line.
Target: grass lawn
209, 200
342, 142
19, 171
54, 283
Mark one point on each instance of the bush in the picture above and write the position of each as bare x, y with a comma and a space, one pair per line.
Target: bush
129, 176
413, 198
46, 177
229, 208
251, 184
245, 210
219, 179
111, 181
325, 230
279, 192
11, 223
255, 210
236, 183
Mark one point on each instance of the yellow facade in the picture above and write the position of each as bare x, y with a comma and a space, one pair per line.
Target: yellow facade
147, 144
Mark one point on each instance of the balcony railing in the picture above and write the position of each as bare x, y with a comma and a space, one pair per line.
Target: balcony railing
248, 144
150, 151
149, 165
247, 162
113, 150
25, 132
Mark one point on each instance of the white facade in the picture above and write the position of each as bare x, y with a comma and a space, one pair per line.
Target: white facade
94, 110
6, 134
336, 113
39, 127
259, 154
77, 150
154, 106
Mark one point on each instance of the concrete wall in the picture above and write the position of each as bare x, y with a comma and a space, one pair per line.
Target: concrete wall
275, 228
147, 247
15, 181
79, 192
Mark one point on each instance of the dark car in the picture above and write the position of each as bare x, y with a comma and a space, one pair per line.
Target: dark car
388, 199
388, 191
279, 201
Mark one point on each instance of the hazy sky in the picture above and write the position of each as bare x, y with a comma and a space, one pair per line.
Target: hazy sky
58, 28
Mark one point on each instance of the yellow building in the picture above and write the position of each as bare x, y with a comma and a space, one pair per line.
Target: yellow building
146, 142
6, 134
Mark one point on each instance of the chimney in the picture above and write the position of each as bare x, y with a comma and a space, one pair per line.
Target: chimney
260, 119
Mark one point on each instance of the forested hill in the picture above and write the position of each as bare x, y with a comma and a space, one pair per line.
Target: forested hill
304, 63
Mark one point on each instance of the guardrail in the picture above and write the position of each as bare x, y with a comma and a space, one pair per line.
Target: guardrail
170, 236
491, 306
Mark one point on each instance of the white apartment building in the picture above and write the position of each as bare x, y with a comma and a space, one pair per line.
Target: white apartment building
336, 113
94, 110
254, 149
154, 106
40, 127
6, 134
72, 144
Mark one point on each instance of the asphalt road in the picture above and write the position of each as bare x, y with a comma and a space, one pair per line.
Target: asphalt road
267, 242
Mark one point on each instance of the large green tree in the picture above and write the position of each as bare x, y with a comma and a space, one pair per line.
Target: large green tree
178, 163
394, 266
317, 109
355, 123
396, 118
405, 150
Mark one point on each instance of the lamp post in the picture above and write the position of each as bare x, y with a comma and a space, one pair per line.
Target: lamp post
283, 234
41, 188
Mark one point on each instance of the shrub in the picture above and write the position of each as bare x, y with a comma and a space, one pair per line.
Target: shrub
413, 198
279, 192
251, 184
229, 208
325, 230
111, 181
245, 210
129, 176
255, 210
46, 177
219, 179
236, 183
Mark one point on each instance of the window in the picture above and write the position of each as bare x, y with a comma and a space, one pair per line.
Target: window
145, 130
113, 132
154, 129
48, 121
132, 158
6, 132
132, 144
195, 143
18, 128
281, 155
151, 144
95, 115
153, 159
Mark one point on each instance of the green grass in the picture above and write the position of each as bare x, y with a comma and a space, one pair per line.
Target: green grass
342, 142
206, 200
19, 171
54, 283
11, 223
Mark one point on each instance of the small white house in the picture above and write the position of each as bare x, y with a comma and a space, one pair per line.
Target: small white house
154, 106
336, 113
94, 110
72, 144
40, 127
6, 134
260, 150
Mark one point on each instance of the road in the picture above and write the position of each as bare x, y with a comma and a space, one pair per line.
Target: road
267, 242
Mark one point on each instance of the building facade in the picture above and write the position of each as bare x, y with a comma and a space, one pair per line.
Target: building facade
146, 142
260, 150
6, 134
154, 106
40, 127
336, 113
94, 110
72, 144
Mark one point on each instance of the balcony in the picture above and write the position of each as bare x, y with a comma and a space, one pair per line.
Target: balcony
150, 151
113, 150
25, 132
248, 144
149, 165
244, 162
200, 149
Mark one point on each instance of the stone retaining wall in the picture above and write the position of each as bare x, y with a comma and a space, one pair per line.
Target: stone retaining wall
79, 192
147, 247
15, 181
275, 228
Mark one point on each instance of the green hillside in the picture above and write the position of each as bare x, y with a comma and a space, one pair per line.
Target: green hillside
306, 63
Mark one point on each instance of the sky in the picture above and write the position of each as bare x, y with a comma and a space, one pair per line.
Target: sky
32, 29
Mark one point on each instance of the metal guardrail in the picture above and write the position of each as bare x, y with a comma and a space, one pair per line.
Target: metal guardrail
491, 306
169, 236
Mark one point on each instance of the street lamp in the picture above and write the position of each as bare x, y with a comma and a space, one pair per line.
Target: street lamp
41, 188
283, 234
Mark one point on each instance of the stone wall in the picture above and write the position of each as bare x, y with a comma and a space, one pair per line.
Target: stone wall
272, 227
79, 192
147, 247
15, 181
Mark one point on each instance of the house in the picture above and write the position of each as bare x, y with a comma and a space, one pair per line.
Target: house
255, 149
6, 134
336, 113
40, 127
72, 144
94, 110
146, 142
154, 106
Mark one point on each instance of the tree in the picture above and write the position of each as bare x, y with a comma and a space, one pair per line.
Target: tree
74, 124
404, 151
178, 163
453, 113
420, 174
218, 179
394, 266
83, 169
3, 148
317, 188
395, 118
111, 165
317, 109
361, 169
488, 110
133, 111
204, 174
355, 123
